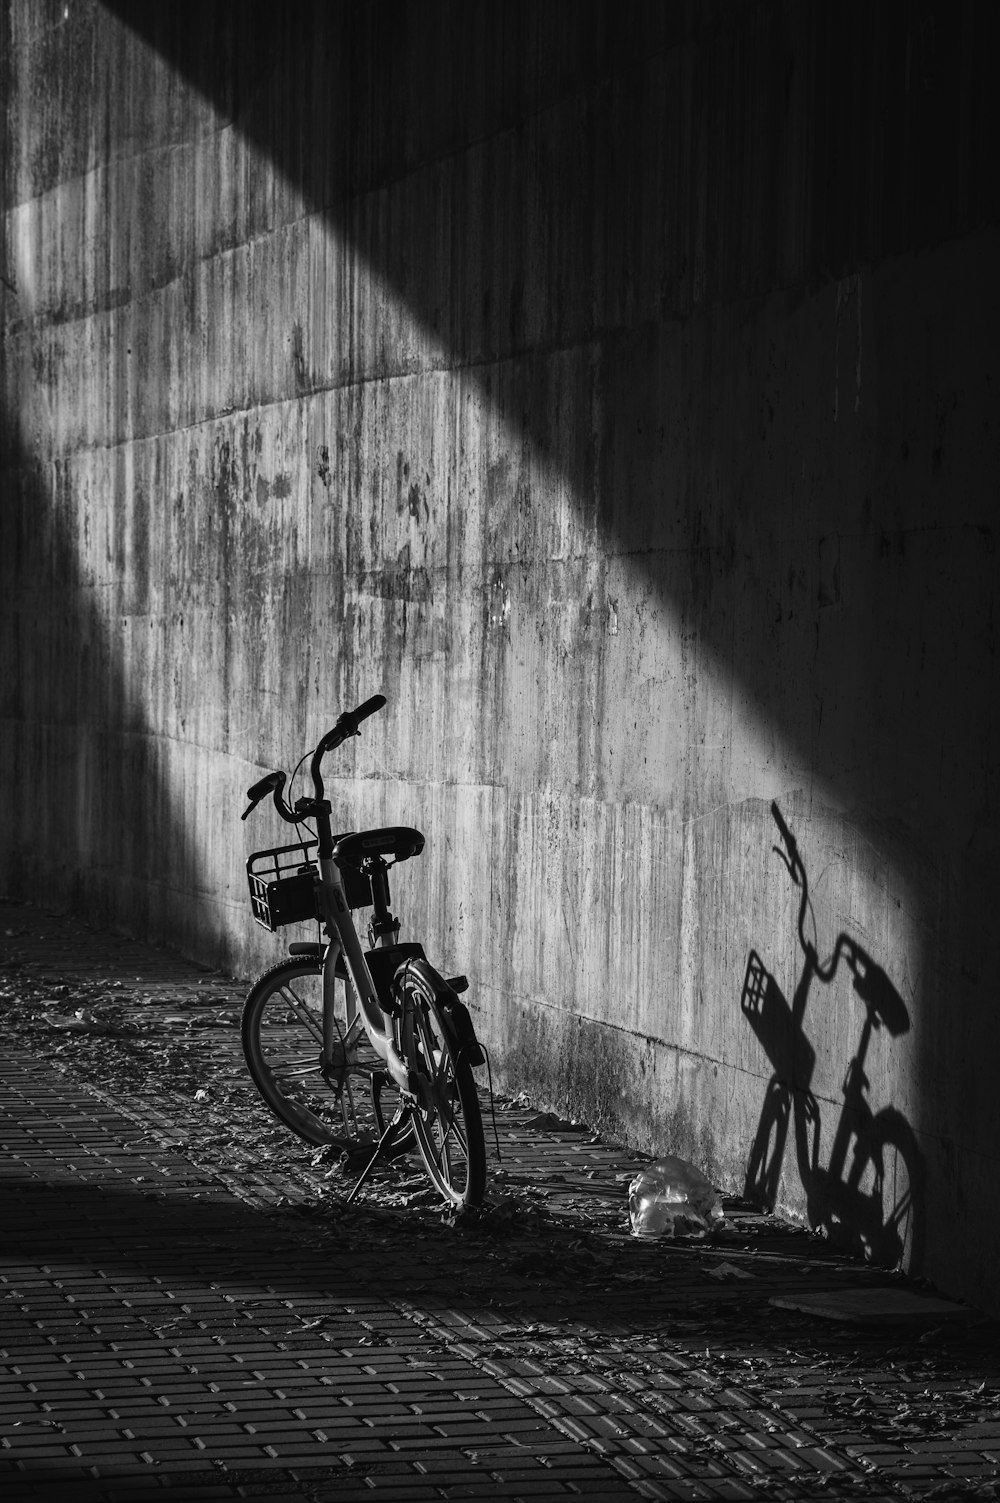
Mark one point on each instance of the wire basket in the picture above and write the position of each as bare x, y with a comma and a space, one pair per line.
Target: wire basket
283, 885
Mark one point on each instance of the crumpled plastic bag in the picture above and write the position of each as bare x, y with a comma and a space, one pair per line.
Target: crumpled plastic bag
672, 1198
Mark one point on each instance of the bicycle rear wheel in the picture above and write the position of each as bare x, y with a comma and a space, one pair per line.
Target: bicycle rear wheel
448, 1123
888, 1170
283, 1044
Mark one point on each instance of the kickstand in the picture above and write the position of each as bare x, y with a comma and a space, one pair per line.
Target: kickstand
382, 1146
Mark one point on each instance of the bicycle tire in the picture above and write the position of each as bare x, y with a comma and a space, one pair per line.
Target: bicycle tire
282, 1035
888, 1159
448, 1121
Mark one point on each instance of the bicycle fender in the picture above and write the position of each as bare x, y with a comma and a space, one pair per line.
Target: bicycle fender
459, 1018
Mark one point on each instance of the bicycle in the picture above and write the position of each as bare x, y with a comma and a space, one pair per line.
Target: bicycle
869, 1195
335, 1013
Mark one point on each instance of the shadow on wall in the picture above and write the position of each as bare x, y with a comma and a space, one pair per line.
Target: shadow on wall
869, 1195
95, 804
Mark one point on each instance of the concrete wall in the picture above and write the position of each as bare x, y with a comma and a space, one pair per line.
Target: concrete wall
613, 388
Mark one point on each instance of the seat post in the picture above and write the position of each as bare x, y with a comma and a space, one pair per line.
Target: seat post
383, 929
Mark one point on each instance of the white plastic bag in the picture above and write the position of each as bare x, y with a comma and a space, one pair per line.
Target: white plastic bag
671, 1198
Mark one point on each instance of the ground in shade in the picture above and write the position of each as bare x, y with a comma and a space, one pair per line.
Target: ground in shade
188, 1306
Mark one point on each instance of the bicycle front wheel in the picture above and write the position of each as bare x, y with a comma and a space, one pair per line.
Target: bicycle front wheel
448, 1122
283, 1047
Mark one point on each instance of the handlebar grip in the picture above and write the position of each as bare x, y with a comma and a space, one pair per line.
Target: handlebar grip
273, 783
347, 724
369, 707
264, 787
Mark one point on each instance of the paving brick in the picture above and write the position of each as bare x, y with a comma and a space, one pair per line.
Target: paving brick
201, 1294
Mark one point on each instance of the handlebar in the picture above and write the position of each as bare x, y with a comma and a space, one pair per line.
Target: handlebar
785, 832
790, 856
347, 725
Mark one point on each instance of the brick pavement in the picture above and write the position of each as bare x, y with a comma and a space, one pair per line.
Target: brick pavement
188, 1311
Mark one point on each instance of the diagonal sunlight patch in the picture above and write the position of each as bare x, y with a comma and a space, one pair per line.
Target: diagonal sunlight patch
288, 466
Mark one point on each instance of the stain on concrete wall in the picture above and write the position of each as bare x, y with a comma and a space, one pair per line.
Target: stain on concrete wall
611, 390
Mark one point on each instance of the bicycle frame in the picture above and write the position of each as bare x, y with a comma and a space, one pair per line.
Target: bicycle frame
344, 940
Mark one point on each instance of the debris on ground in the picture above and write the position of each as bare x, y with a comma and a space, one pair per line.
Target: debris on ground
672, 1198
679, 1345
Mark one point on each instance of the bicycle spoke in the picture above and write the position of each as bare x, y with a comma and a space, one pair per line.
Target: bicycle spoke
283, 1044
303, 1013
297, 1071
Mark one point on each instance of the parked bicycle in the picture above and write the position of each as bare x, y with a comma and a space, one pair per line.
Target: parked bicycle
869, 1194
359, 1049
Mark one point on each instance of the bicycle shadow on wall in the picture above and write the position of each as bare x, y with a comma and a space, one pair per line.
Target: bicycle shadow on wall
868, 1196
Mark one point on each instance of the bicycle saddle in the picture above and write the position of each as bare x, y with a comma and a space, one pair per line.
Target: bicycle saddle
397, 841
